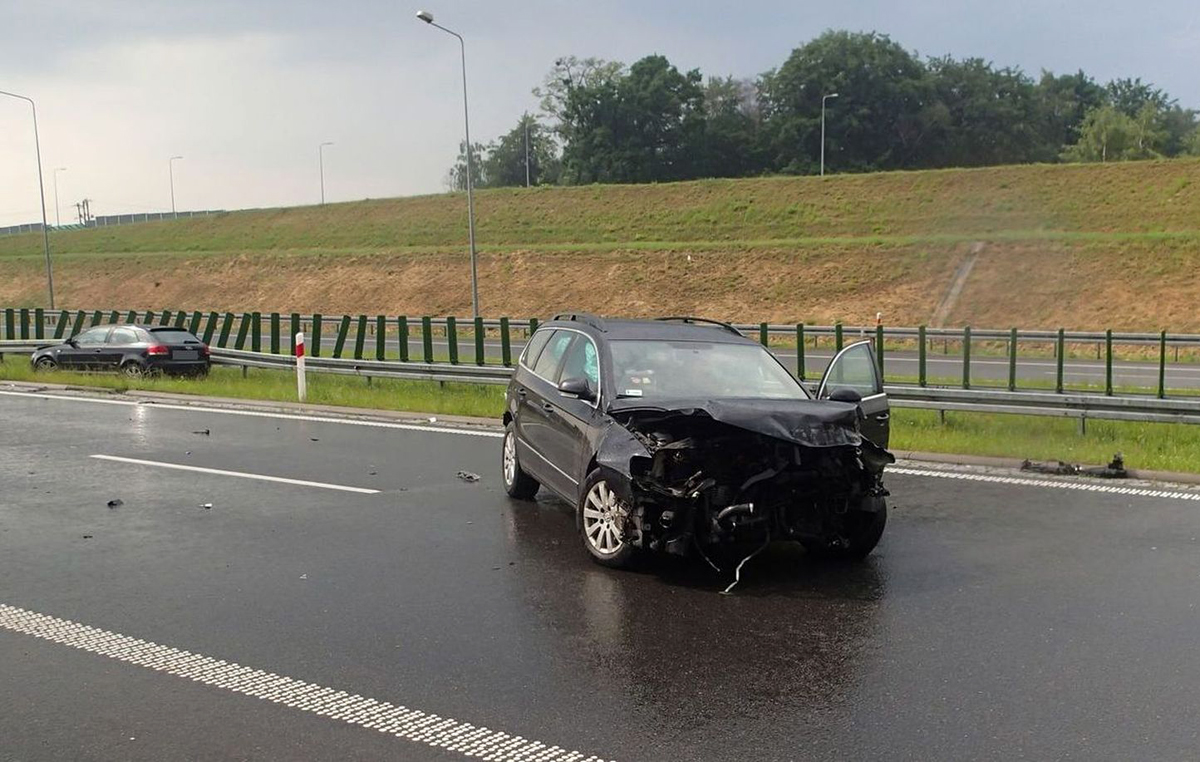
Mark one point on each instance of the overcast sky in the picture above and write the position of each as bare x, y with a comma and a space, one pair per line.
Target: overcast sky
246, 89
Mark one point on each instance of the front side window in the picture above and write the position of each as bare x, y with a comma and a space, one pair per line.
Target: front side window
547, 362
658, 369
854, 369
93, 335
582, 362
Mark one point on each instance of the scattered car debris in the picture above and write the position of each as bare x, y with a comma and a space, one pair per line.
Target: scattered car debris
87, 537
737, 573
1114, 470
314, 439
432, 419
303, 576
116, 503
206, 506
203, 432
467, 476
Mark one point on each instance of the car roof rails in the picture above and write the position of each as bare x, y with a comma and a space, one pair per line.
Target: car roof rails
699, 320
586, 318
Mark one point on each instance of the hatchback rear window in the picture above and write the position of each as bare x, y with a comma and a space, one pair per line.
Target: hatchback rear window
174, 336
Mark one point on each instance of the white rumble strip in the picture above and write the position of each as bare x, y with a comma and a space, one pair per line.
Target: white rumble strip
1081, 486
399, 721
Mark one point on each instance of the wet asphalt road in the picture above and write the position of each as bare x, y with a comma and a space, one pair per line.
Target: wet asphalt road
995, 621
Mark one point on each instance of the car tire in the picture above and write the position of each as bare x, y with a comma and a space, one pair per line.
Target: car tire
598, 518
517, 483
863, 537
134, 369
45, 364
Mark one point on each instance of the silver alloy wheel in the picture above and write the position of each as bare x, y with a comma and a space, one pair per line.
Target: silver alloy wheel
133, 370
603, 517
510, 458
45, 363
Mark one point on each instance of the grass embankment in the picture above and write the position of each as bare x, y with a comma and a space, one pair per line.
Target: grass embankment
1168, 447
1082, 246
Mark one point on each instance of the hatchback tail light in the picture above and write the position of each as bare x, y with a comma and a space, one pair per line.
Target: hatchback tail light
205, 350
158, 350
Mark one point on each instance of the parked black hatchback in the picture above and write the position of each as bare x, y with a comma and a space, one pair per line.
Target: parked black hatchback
681, 436
134, 350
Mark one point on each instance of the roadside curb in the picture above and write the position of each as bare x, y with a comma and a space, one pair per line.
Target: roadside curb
360, 413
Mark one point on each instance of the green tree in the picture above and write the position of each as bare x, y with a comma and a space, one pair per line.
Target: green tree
505, 162
879, 120
456, 177
732, 142
1063, 101
981, 115
1191, 145
1107, 134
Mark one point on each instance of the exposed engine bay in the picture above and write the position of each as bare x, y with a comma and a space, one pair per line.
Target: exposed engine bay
740, 472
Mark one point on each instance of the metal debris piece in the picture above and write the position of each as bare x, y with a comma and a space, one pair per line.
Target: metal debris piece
467, 476
1114, 470
116, 503
203, 432
206, 506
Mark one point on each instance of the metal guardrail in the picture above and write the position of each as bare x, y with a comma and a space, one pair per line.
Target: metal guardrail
1066, 405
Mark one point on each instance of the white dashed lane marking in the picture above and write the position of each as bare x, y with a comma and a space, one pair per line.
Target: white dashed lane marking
1081, 486
381, 716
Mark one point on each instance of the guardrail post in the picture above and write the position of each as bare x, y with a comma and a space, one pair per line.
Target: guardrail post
837, 337
921, 380
64, 317
763, 337
533, 326
180, 317
164, 320
9, 324
39, 326
24, 322
114, 317
226, 327
293, 330
1162, 365
243, 329
1108, 383
256, 331
97, 318
427, 338
505, 343
800, 351
314, 347
149, 318
879, 348
966, 381
343, 331
360, 338
275, 333
452, 338
194, 326
1060, 348
80, 316
380, 338
1012, 360
210, 327
131, 317
402, 336
479, 336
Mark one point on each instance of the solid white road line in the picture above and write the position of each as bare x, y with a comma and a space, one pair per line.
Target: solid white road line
1111, 487
384, 717
238, 474
264, 414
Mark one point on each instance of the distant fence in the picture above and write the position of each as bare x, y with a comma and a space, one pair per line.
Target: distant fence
498, 342
109, 220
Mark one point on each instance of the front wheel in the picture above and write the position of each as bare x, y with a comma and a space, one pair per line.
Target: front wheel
517, 483
45, 364
860, 534
601, 518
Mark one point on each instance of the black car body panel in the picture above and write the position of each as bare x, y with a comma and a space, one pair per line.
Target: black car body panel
130, 348
696, 472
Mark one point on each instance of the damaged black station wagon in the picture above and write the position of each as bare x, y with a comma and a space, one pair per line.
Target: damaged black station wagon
682, 436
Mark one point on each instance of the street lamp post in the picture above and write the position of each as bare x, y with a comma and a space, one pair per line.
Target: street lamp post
526, 120
823, 99
171, 172
54, 174
42, 192
321, 161
427, 17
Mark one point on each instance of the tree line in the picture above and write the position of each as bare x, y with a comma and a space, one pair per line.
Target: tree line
604, 122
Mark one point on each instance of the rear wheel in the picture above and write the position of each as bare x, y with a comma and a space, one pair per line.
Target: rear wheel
860, 533
44, 364
517, 483
134, 369
601, 519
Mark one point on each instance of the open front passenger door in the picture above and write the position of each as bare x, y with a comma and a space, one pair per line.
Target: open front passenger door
854, 371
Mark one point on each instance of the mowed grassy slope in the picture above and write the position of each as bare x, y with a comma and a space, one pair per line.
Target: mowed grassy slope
1078, 245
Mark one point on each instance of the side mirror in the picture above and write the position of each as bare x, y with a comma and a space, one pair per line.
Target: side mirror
577, 386
846, 394
71, 342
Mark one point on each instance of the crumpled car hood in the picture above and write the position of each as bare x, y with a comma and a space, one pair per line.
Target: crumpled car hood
810, 423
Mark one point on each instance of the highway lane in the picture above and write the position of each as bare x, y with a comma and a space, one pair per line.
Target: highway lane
948, 368
996, 620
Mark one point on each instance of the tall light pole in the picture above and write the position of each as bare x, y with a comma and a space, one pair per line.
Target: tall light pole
42, 192
427, 17
526, 150
171, 172
823, 99
54, 174
321, 161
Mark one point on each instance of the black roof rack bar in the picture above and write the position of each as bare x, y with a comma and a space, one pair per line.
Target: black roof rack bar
586, 318
689, 319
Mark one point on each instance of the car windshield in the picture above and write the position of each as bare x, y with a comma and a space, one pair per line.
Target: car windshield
689, 369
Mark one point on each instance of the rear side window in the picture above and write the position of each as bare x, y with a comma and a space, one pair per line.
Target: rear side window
174, 336
535, 345
548, 361
123, 336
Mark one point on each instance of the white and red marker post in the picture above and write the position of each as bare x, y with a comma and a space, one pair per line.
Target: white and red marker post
301, 381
